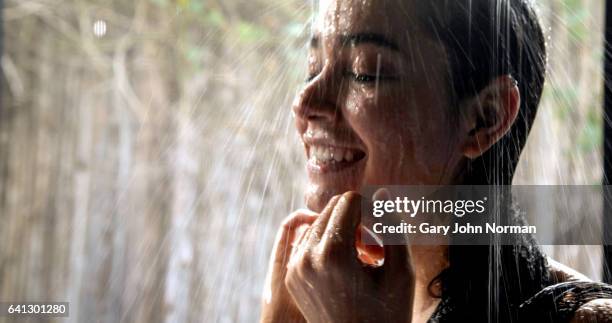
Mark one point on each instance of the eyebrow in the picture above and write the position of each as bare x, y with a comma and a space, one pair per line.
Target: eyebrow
360, 38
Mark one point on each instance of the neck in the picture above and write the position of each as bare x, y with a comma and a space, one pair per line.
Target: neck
428, 262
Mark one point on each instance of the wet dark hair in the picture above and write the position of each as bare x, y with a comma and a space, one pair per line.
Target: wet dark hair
486, 39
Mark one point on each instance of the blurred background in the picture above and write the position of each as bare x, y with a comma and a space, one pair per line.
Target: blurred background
147, 151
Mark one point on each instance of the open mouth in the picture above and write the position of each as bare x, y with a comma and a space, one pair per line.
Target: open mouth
330, 158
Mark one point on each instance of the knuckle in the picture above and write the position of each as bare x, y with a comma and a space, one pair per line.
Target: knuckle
326, 260
304, 265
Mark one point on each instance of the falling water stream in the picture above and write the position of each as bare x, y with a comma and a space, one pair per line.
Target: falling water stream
146, 168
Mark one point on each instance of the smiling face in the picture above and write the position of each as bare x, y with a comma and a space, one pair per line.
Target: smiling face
376, 108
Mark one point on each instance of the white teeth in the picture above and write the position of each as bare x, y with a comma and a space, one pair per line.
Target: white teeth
348, 155
338, 154
328, 154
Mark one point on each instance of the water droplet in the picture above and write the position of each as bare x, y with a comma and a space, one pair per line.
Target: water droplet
99, 28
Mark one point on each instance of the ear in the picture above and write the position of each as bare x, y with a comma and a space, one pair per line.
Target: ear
490, 115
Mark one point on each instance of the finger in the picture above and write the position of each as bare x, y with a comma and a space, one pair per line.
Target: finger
369, 247
342, 226
300, 232
318, 227
282, 249
298, 242
287, 234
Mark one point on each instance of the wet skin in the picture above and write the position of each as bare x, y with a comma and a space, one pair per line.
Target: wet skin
378, 95
375, 110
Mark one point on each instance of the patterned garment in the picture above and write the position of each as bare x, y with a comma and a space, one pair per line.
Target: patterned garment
557, 303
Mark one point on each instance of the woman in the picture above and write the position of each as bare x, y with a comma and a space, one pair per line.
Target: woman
417, 93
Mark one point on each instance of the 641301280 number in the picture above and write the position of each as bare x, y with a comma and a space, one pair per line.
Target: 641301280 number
48, 309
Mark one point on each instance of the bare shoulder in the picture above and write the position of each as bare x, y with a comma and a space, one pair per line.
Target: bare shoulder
598, 310
561, 273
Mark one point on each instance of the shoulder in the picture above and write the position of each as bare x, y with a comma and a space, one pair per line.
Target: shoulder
560, 273
596, 308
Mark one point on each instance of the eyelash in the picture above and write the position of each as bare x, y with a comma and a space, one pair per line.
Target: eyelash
359, 78
363, 78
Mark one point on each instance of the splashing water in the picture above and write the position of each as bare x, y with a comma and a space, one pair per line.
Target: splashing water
146, 172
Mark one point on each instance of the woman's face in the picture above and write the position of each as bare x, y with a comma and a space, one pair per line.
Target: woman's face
375, 109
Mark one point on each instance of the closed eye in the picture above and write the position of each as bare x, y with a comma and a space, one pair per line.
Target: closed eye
368, 78
360, 78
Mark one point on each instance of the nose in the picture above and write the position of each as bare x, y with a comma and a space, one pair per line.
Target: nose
319, 99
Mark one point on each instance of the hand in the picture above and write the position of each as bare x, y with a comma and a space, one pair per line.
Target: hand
330, 284
278, 306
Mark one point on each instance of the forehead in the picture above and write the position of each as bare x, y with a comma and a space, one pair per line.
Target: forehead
388, 17
396, 22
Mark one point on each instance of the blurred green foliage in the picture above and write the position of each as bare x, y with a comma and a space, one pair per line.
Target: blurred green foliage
591, 136
575, 15
239, 25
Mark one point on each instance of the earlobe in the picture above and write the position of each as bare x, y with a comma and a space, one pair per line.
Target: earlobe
490, 115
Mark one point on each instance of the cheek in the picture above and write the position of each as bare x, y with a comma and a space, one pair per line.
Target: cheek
374, 115
361, 105
387, 129
409, 139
